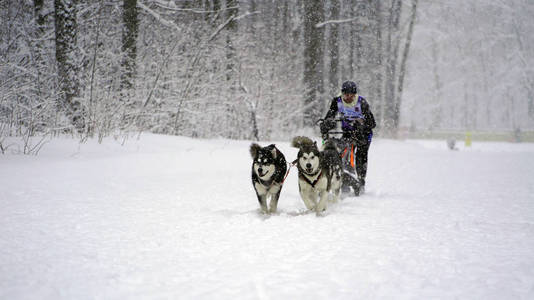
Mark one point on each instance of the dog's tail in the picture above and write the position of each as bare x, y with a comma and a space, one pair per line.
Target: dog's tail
254, 148
301, 142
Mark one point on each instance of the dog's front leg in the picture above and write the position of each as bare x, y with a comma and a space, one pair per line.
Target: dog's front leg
262, 199
336, 194
274, 192
261, 193
274, 202
307, 199
322, 202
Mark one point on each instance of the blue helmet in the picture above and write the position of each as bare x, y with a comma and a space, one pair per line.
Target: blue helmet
349, 87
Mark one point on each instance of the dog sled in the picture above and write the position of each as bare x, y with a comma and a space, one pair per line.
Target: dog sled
347, 149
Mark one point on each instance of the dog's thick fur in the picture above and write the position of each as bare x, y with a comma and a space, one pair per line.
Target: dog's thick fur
268, 171
333, 165
319, 173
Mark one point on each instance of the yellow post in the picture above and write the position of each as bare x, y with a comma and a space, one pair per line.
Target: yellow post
468, 139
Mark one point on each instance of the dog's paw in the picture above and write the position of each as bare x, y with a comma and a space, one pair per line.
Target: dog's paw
320, 213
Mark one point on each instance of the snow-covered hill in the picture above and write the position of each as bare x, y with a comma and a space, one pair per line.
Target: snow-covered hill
176, 218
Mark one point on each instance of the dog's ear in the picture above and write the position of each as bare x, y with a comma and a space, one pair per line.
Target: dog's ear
254, 149
274, 152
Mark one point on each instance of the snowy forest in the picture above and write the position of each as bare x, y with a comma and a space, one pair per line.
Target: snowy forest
130, 169
261, 70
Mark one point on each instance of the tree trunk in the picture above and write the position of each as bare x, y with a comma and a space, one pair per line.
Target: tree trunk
402, 72
129, 44
40, 22
39, 16
358, 8
313, 61
231, 77
214, 16
334, 47
437, 111
66, 54
230, 48
379, 68
392, 53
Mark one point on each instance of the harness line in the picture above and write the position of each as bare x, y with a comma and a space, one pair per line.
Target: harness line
315, 181
287, 173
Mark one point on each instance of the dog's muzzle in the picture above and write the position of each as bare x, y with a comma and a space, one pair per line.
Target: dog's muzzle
260, 172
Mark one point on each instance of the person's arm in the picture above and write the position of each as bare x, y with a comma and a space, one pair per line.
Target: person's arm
331, 114
329, 122
369, 120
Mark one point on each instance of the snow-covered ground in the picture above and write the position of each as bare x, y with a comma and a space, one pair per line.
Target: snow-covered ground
176, 218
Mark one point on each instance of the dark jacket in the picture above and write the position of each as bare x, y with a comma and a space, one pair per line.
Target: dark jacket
361, 132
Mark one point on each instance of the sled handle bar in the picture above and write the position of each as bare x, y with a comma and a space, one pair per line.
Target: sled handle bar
322, 120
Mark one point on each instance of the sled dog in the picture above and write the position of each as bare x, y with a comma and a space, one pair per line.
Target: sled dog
268, 171
333, 166
319, 173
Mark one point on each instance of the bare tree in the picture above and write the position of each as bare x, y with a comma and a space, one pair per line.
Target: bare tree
313, 61
231, 11
66, 54
129, 44
333, 46
402, 72
392, 56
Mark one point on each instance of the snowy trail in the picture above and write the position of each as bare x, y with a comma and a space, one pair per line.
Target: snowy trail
171, 217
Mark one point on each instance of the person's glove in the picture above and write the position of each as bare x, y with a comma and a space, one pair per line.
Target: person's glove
326, 125
324, 129
357, 124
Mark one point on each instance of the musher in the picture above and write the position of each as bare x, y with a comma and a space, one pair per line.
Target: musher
357, 125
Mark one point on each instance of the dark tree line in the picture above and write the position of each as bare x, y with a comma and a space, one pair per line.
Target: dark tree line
236, 68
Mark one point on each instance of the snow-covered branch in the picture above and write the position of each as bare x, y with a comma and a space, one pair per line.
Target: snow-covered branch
158, 17
170, 6
319, 25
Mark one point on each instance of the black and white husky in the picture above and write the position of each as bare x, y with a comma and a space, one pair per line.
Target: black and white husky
268, 171
319, 173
